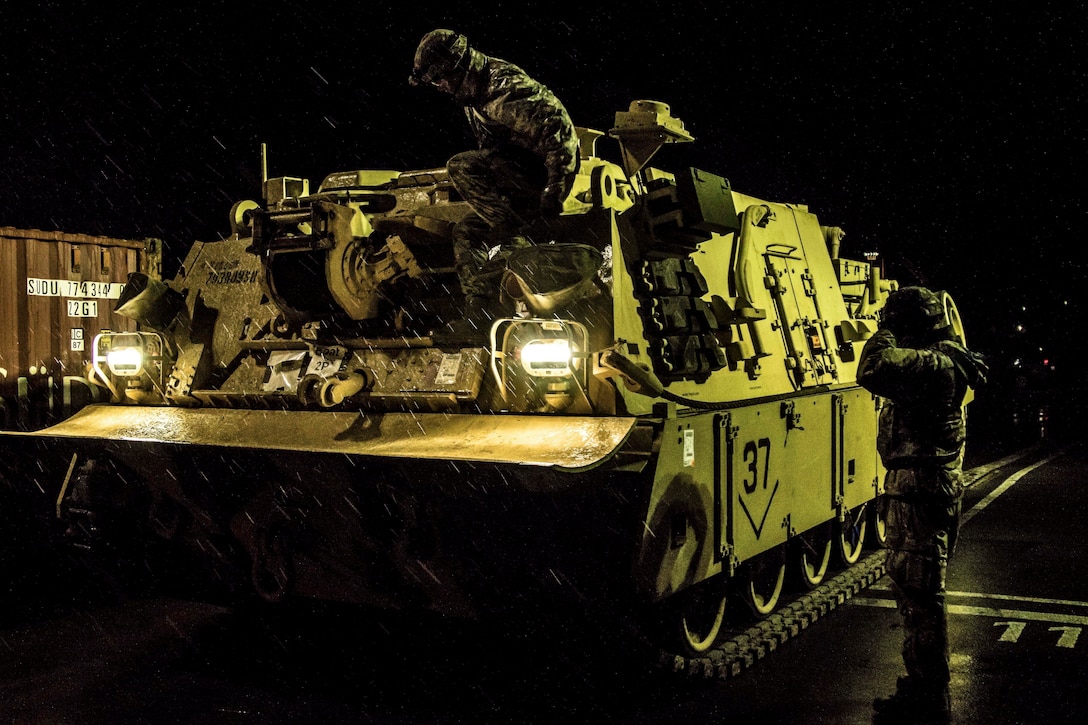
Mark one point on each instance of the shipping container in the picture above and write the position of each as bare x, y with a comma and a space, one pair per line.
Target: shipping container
57, 291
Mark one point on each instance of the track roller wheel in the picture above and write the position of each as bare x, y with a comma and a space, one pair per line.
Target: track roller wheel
271, 572
693, 618
811, 556
761, 581
878, 529
851, 535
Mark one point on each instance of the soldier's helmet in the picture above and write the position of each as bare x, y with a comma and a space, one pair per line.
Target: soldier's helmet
915, 312
440, 54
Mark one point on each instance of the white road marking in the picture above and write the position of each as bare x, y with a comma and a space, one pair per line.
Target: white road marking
882, 585
1021, 614
1006, 485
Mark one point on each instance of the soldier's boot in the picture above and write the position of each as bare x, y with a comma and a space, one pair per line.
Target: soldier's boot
914, 702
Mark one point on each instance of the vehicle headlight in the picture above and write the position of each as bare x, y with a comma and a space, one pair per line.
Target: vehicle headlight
125, 361
547, 358
127, 354
539, 364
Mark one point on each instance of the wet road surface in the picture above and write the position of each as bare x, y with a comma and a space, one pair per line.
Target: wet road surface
1018, 607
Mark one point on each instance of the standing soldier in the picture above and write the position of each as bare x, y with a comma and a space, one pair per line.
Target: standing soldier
922, 372
524, 166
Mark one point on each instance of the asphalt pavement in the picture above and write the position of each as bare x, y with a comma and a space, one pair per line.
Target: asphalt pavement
1018, 605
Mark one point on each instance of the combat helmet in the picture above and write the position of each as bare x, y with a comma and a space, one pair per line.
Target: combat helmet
914, 312
440, 54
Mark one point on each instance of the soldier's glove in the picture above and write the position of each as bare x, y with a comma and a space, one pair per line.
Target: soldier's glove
551, 200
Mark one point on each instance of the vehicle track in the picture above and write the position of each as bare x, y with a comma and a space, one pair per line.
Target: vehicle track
742, 647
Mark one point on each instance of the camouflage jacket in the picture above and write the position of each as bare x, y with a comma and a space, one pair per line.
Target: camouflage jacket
504, 105
922, 420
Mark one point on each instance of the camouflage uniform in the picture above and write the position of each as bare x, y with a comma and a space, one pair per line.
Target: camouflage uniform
502, 185
921, 442
526, 160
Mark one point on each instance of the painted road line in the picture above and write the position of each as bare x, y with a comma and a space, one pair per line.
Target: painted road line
1019, 614
1006, 485
882, 585
977, 473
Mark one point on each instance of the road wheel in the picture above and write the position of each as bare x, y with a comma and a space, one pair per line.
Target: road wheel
851, 539
271, 569
694, 617
761, 581
878, 529
811, 556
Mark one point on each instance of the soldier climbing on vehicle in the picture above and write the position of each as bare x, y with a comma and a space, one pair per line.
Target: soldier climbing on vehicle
522, 171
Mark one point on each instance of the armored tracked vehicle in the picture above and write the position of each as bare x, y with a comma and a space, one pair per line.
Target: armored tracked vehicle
665, 417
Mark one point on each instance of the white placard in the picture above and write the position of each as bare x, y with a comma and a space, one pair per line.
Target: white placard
82, 308
37, 287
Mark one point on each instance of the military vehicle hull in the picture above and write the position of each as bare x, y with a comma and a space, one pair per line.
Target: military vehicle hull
663, 418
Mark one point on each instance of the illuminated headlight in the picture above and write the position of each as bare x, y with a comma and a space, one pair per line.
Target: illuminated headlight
547, 358
125, 361
127, 354
539, 364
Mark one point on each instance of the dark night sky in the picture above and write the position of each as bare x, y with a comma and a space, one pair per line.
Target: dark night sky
951, 140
